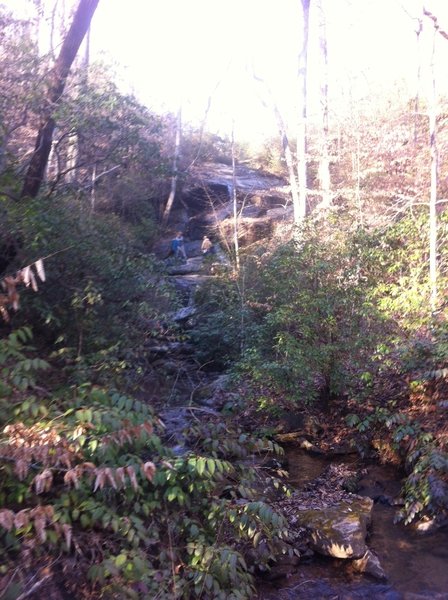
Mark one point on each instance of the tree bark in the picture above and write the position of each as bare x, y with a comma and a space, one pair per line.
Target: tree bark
300, 211
324, 162
57, 80
434, 182
235, 206
175, 175
286, 147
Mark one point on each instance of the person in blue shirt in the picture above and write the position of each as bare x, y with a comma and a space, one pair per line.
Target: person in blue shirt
178, 246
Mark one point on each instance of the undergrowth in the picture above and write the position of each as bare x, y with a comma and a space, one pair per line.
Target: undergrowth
88, 485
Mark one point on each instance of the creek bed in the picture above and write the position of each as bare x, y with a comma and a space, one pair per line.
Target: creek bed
416, 564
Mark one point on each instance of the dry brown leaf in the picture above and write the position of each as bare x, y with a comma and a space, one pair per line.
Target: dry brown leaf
110, 477
43, 481
88, 466
148, 427
120, 475
49, 511
21, 468
149, 468
22, 518
25, 273
7, 519
39, 264
100, 479
132, 476
14, 300
4, 312
40, 522
65, 459
33, 280
9, 284
71, 478
66, 528
168, 465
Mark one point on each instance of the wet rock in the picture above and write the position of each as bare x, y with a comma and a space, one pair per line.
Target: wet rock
193, 265
169, 348
431, 524
253, 211
369, 564
184, 313
309, 447
213, 394
282, 567
340, 530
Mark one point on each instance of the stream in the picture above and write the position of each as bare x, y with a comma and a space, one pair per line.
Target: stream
416, 564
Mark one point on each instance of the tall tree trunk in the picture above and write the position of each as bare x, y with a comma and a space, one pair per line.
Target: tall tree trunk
57, 80
301, 210
324, 162
235, 206
418, 32
434, 182
175, 174
434, 164
287, 152
289, 159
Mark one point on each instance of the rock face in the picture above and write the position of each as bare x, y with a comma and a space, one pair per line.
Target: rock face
340, 530
208, 198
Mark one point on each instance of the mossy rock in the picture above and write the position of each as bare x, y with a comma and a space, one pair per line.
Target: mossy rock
340, 530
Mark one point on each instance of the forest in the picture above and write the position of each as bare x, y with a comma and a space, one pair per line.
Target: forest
256, 411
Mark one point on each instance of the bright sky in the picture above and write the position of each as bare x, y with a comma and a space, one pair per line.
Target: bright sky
186, 50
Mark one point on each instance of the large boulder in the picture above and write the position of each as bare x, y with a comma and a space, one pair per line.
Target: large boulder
340, 530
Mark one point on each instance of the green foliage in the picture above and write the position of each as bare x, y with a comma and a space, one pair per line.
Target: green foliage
309, 308
89, 468
219, 335
95, 276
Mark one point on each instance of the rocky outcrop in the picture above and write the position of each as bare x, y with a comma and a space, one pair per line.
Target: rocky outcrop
340, 530
334, 522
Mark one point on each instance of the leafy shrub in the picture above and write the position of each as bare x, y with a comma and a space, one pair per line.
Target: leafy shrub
310, 312
218, 334
87, 480
98, 281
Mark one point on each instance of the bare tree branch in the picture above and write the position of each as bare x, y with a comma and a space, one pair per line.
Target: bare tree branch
434, 19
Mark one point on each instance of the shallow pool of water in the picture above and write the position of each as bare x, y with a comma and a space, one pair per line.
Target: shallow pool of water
416, 565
